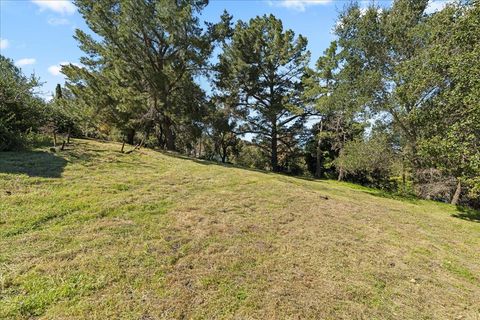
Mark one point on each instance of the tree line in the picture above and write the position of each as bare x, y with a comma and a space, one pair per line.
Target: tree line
393, 102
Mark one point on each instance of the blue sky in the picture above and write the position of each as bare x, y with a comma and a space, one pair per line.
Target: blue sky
38, 34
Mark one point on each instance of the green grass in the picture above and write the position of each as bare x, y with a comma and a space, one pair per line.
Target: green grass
90, 233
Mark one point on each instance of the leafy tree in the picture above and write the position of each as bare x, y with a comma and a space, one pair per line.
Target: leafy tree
261, 70
450, 137
21, 111
414, 71
250, 156
106, 103
329, 89
375, 44
222, 132
368, 161
328, 138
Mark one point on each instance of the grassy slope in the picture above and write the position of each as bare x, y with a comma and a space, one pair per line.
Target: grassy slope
92, 233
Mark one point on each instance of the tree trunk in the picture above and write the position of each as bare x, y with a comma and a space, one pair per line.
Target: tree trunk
200, 148
63, 145
169, 135
319, 163
274, 146
142, 142
68, 135
458, 192
224, 154
54, 138
340, 174
123, 146
130, 136
160, 139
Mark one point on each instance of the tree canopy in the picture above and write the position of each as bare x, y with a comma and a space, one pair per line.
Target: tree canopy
393, 101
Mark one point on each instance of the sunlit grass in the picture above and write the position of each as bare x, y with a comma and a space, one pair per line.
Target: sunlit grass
93, 233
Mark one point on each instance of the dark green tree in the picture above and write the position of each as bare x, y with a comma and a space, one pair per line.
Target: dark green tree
329, 91
261, 71
144, 52
374, 44
222, 131
448, 67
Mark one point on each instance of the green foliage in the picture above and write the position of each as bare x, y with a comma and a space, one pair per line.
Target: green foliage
260, 71
222, 132
452, 144
368, 161
144, 63
417, 73
251, 156
331, 93
21, 111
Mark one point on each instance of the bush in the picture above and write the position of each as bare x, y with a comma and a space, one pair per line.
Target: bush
369, 162
251, 156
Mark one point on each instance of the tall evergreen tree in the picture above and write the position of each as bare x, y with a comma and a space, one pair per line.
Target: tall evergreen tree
261, 69
147, 51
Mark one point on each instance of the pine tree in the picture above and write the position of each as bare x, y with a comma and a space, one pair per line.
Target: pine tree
147, 51
261, 69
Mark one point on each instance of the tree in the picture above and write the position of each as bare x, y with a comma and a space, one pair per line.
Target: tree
329, 90
368, 161
414, 71
375, 44
21, 111
320, 84
222, 131
147, 51
106, 102
62, 113
450, 137
261, 70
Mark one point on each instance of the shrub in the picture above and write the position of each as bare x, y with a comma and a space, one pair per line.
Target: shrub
369, 162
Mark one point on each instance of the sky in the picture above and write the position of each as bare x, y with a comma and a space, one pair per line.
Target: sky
38, 34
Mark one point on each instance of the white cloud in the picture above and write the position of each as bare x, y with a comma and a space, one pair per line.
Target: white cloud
56, 69
59, 6
25, 62
58, 21
436, 5
4, 43
299, 5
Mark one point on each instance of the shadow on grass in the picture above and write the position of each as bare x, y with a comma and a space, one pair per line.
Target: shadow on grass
395, 196
32, 163
467, 214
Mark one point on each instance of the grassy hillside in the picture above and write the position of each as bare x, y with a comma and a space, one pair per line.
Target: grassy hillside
91, 233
